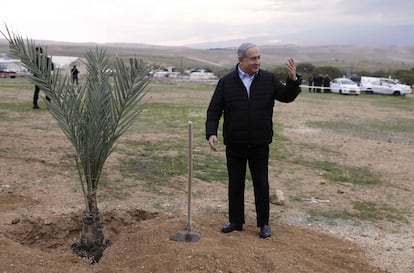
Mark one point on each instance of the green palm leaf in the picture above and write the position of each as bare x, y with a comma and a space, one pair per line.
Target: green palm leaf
94, 115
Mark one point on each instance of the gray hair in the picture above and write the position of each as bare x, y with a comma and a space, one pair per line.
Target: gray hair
242, 50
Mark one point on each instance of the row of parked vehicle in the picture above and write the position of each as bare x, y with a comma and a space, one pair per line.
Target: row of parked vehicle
375, 85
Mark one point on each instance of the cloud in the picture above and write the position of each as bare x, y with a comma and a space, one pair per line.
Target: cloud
188, 22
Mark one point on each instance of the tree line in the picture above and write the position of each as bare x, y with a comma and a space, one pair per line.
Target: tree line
405, 76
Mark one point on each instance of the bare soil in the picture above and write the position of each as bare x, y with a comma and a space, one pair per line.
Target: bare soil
41, 203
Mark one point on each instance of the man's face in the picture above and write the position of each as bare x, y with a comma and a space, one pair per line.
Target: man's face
251, 63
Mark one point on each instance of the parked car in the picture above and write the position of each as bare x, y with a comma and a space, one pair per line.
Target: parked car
383, 86
344, 86
5, 72
387, 86
406, 89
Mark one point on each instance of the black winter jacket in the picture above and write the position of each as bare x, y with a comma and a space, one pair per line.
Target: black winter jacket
247, 121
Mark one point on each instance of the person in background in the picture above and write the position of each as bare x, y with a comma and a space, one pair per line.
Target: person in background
317, 82
39, 52
245, 98
310, 83
326, 84
75, 73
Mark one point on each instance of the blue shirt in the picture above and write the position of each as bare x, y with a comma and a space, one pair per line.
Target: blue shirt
246, 79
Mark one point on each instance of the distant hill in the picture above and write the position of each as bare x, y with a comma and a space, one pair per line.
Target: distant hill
345, 57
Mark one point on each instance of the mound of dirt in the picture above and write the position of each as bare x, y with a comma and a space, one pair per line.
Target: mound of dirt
140, 243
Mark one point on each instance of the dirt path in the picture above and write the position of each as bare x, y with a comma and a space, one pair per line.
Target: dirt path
40, 203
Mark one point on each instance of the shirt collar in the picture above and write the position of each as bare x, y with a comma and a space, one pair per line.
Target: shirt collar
243, 74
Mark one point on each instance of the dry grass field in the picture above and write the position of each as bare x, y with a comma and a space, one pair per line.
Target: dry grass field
344, 164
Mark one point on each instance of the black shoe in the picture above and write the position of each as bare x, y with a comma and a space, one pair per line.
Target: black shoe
265, 232
231, 227
35, 107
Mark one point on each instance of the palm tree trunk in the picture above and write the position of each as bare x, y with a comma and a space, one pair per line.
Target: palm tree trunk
92, 241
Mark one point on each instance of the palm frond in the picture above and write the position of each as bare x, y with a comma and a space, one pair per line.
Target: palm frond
94, 115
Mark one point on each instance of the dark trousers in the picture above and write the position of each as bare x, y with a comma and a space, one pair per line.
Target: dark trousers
36, 96
258, 158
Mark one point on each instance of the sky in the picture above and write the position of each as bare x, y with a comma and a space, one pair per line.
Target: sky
213, 23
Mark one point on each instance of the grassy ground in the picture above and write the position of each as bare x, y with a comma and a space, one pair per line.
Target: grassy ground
343, 162
163, 158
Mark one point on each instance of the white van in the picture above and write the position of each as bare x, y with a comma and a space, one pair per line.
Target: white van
365, 83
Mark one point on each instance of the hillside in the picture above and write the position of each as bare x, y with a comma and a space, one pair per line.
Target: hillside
345, 57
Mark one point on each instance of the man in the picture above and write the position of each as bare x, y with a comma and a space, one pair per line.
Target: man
318, 82
326, 84
75, 72
39, 53
245, 97
310, 80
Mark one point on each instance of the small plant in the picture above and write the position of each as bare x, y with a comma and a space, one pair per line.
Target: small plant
93, 116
